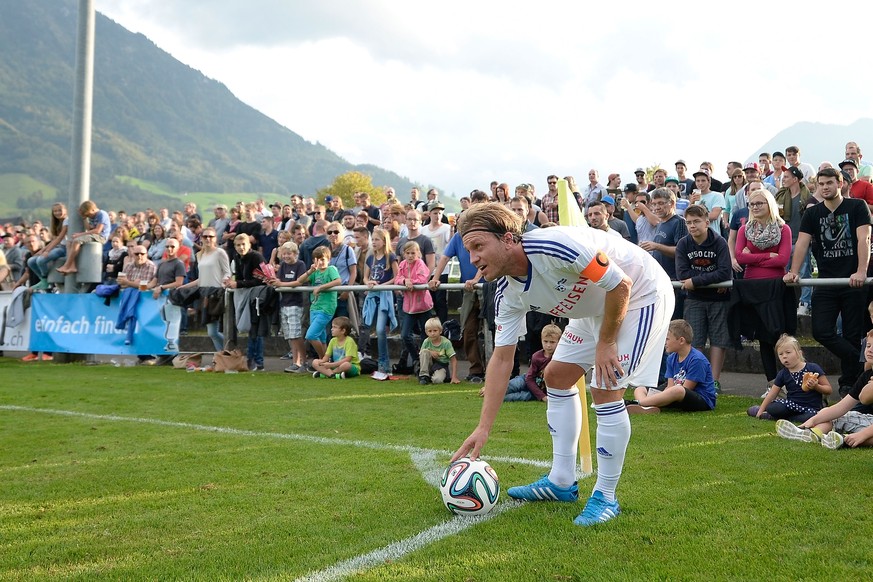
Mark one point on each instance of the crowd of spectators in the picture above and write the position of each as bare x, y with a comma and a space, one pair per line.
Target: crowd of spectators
767, 224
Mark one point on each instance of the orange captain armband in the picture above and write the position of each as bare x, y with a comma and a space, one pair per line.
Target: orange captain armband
596, 269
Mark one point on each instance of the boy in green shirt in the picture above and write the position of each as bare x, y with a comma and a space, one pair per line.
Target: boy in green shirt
435, 355
341, 358
323, 276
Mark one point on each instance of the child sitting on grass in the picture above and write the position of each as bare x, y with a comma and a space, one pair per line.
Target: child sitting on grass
841, 423
435, 355
690, 387
804, 382
341, 357
530, 386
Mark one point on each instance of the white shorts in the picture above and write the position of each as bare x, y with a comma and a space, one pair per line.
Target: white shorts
640, 343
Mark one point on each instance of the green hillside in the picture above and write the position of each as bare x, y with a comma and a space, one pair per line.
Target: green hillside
158, 122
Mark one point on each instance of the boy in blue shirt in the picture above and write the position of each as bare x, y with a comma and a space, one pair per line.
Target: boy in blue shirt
690, 387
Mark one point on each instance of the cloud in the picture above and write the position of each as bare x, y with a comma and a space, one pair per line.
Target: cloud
460, 93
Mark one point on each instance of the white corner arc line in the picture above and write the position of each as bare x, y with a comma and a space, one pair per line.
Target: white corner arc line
273, 435
405, 546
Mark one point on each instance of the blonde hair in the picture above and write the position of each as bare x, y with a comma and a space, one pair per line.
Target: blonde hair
785, 339
433, 323
679, 328
380, 232
411, 246
550, 331
291, 246
773, 215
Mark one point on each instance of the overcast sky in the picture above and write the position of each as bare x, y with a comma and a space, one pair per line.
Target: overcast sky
460, 93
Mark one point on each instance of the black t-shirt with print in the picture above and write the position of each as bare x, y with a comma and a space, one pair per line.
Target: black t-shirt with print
834, 238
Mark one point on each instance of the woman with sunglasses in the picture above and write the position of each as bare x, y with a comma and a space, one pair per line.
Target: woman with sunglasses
213, 267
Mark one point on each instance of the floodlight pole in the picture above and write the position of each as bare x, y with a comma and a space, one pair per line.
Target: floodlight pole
80, 164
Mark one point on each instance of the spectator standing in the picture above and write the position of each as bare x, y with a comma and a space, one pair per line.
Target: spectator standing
417, 303
712, 202
838, 230
671, 229
763, 248
343, 258
170, 274
380, 268
212, 272
323, 276
291, 306
702, 258
245, 263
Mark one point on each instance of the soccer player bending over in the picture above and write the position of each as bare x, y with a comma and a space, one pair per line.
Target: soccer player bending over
619, 302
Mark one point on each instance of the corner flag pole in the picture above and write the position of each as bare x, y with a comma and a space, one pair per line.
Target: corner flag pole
569, 214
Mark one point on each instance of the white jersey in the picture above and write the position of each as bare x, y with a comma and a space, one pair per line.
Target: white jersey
569, 272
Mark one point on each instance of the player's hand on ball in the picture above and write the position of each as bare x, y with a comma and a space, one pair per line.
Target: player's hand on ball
473, 445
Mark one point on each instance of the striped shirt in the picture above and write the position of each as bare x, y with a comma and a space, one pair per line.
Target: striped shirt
569, 272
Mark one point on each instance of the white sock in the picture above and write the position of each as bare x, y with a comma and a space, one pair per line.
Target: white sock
613, 434
564, 416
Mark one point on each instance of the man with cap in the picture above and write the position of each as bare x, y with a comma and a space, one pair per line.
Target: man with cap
333, 208
703, 196
617, 223
642, 183
714, 185
858, 188
752, 174
865, 168
686, 184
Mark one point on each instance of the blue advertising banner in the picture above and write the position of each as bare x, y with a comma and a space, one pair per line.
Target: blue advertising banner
84, 324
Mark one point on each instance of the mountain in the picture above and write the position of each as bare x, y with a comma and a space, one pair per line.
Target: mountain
819, 142
155, 119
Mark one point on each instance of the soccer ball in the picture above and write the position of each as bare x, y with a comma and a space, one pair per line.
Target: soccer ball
469, 487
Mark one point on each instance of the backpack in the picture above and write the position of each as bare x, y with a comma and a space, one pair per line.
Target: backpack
368, 365
452, 330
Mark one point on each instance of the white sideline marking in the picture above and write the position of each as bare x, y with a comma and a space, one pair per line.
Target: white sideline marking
275, 435
398, 549
425, 461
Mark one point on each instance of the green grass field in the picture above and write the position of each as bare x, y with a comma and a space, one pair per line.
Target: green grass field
205, 201
158, 474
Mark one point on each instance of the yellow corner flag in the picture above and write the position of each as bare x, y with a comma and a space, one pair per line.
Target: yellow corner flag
569, 214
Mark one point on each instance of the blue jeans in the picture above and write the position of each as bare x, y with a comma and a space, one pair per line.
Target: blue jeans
39, 265
215, 335
382, 339
255, 350
408, 326
517, 391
